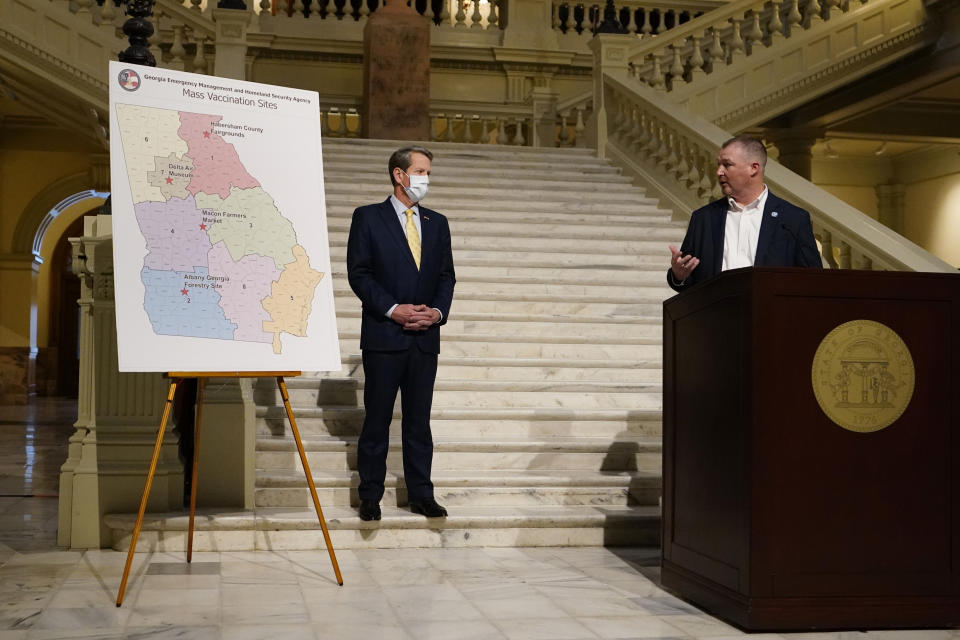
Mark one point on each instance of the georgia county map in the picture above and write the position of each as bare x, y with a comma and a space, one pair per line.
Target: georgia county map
222, 261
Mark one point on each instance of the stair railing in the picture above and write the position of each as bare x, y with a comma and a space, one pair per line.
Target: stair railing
674, 152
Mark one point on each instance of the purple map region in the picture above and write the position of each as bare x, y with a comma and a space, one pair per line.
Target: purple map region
243, 286
176, 235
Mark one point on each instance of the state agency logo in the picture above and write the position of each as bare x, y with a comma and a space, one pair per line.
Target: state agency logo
129, 79
863, 376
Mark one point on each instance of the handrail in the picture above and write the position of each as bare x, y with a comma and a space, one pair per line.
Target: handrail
675, 151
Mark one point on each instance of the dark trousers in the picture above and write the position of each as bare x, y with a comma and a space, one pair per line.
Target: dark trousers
411, 372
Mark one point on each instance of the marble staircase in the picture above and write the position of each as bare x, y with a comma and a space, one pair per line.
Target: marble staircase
547, 407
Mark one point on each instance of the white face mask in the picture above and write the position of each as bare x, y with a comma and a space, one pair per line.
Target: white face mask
419, 185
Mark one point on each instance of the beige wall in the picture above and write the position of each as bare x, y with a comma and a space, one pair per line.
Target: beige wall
932, 217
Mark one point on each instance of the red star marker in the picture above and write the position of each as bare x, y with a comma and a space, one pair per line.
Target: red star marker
206, 134
169, 180
183, 291
203, 226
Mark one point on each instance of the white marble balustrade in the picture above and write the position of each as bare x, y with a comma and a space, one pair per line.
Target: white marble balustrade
643, 18
676, 151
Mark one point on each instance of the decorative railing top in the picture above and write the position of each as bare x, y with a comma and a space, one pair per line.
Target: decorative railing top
676, 137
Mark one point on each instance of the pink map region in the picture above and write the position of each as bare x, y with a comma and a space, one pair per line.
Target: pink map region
241, 295
216, 165
173, 230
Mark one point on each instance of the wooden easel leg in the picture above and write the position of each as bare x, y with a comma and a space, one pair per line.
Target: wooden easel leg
201, 382
306, 470
146, 488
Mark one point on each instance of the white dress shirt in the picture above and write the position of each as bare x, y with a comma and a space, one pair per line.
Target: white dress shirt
401, 210
741, 233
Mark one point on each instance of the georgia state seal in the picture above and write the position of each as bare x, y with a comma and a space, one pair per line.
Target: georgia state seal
863, 376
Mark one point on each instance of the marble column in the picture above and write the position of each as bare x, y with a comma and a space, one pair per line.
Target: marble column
396, 74
891, 205
231, 42
795, 147
118, 413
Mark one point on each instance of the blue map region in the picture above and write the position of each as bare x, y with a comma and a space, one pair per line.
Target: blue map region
196, 313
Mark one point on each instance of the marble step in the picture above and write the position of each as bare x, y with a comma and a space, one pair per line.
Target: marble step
568, 260
507, 241
539, 275
498, 347
545, 292
455, 421
465, 302
481, 394
342, 205
467, 488
643, 217
458, 453
532, 370
547, 231
348, 322
341, 170
546, 203
465, 149
298, 529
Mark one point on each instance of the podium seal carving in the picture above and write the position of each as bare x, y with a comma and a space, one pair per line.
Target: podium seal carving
863, 376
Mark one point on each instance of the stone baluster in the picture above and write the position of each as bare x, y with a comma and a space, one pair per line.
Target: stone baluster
554, 15
196, 5
754, 35
715, 51
475, 17
444, 12
153, 40
644, 138
493, 14
812, 13
707, 174
461, 16
637, 131
692, 178
833, 6
265, 12
298, 8
355, 132
662, 153
862, 261
671, 160
632, 20
626, 121
108, 13
843, 259
775, 25
657, 80
682, 167
579, 130
83, 6
485, 131
794, 19
177, 50
364, 10
200, 58
471, 126
563, 136
826, 249
653, 141
342, 125
502, 137
646, 29
696, 60
735, 46
676, 67
518, 138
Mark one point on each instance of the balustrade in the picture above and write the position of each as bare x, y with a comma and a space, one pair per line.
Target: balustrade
473, 14
639, 17
676, 151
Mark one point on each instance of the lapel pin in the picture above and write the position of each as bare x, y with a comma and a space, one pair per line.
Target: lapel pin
774, 214
425, 218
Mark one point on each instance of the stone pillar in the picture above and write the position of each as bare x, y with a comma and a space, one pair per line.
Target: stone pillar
528, 26
544, 100
609, 53
118, 414
231, 42
794, 146
18, 326
891, 205
396, 74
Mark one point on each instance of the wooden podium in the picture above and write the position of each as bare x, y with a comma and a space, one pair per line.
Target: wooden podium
775, 516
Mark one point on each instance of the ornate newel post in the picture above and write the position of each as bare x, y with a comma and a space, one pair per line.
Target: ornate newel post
232, 18
118, 413
610, 47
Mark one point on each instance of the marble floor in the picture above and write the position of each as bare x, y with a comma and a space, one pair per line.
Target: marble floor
412, 594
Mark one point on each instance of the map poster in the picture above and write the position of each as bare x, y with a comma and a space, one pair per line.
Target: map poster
221, 253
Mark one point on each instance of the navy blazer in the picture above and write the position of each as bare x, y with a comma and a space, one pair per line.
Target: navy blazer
786, 239
382, 273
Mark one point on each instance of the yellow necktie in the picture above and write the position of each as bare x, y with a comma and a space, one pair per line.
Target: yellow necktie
413, 238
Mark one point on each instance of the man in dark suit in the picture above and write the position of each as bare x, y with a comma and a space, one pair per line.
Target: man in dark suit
749, 226
400, 265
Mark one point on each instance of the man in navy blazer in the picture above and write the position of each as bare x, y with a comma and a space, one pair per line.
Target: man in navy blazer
749, 226
400, 265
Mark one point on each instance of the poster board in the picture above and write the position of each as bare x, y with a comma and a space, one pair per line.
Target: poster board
221, 251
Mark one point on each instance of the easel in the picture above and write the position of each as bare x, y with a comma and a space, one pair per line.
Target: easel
177, 378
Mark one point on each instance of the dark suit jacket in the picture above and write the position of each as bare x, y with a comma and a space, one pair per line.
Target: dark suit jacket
786, 239
382, 273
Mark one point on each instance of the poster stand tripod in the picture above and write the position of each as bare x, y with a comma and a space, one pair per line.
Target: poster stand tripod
176, 378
